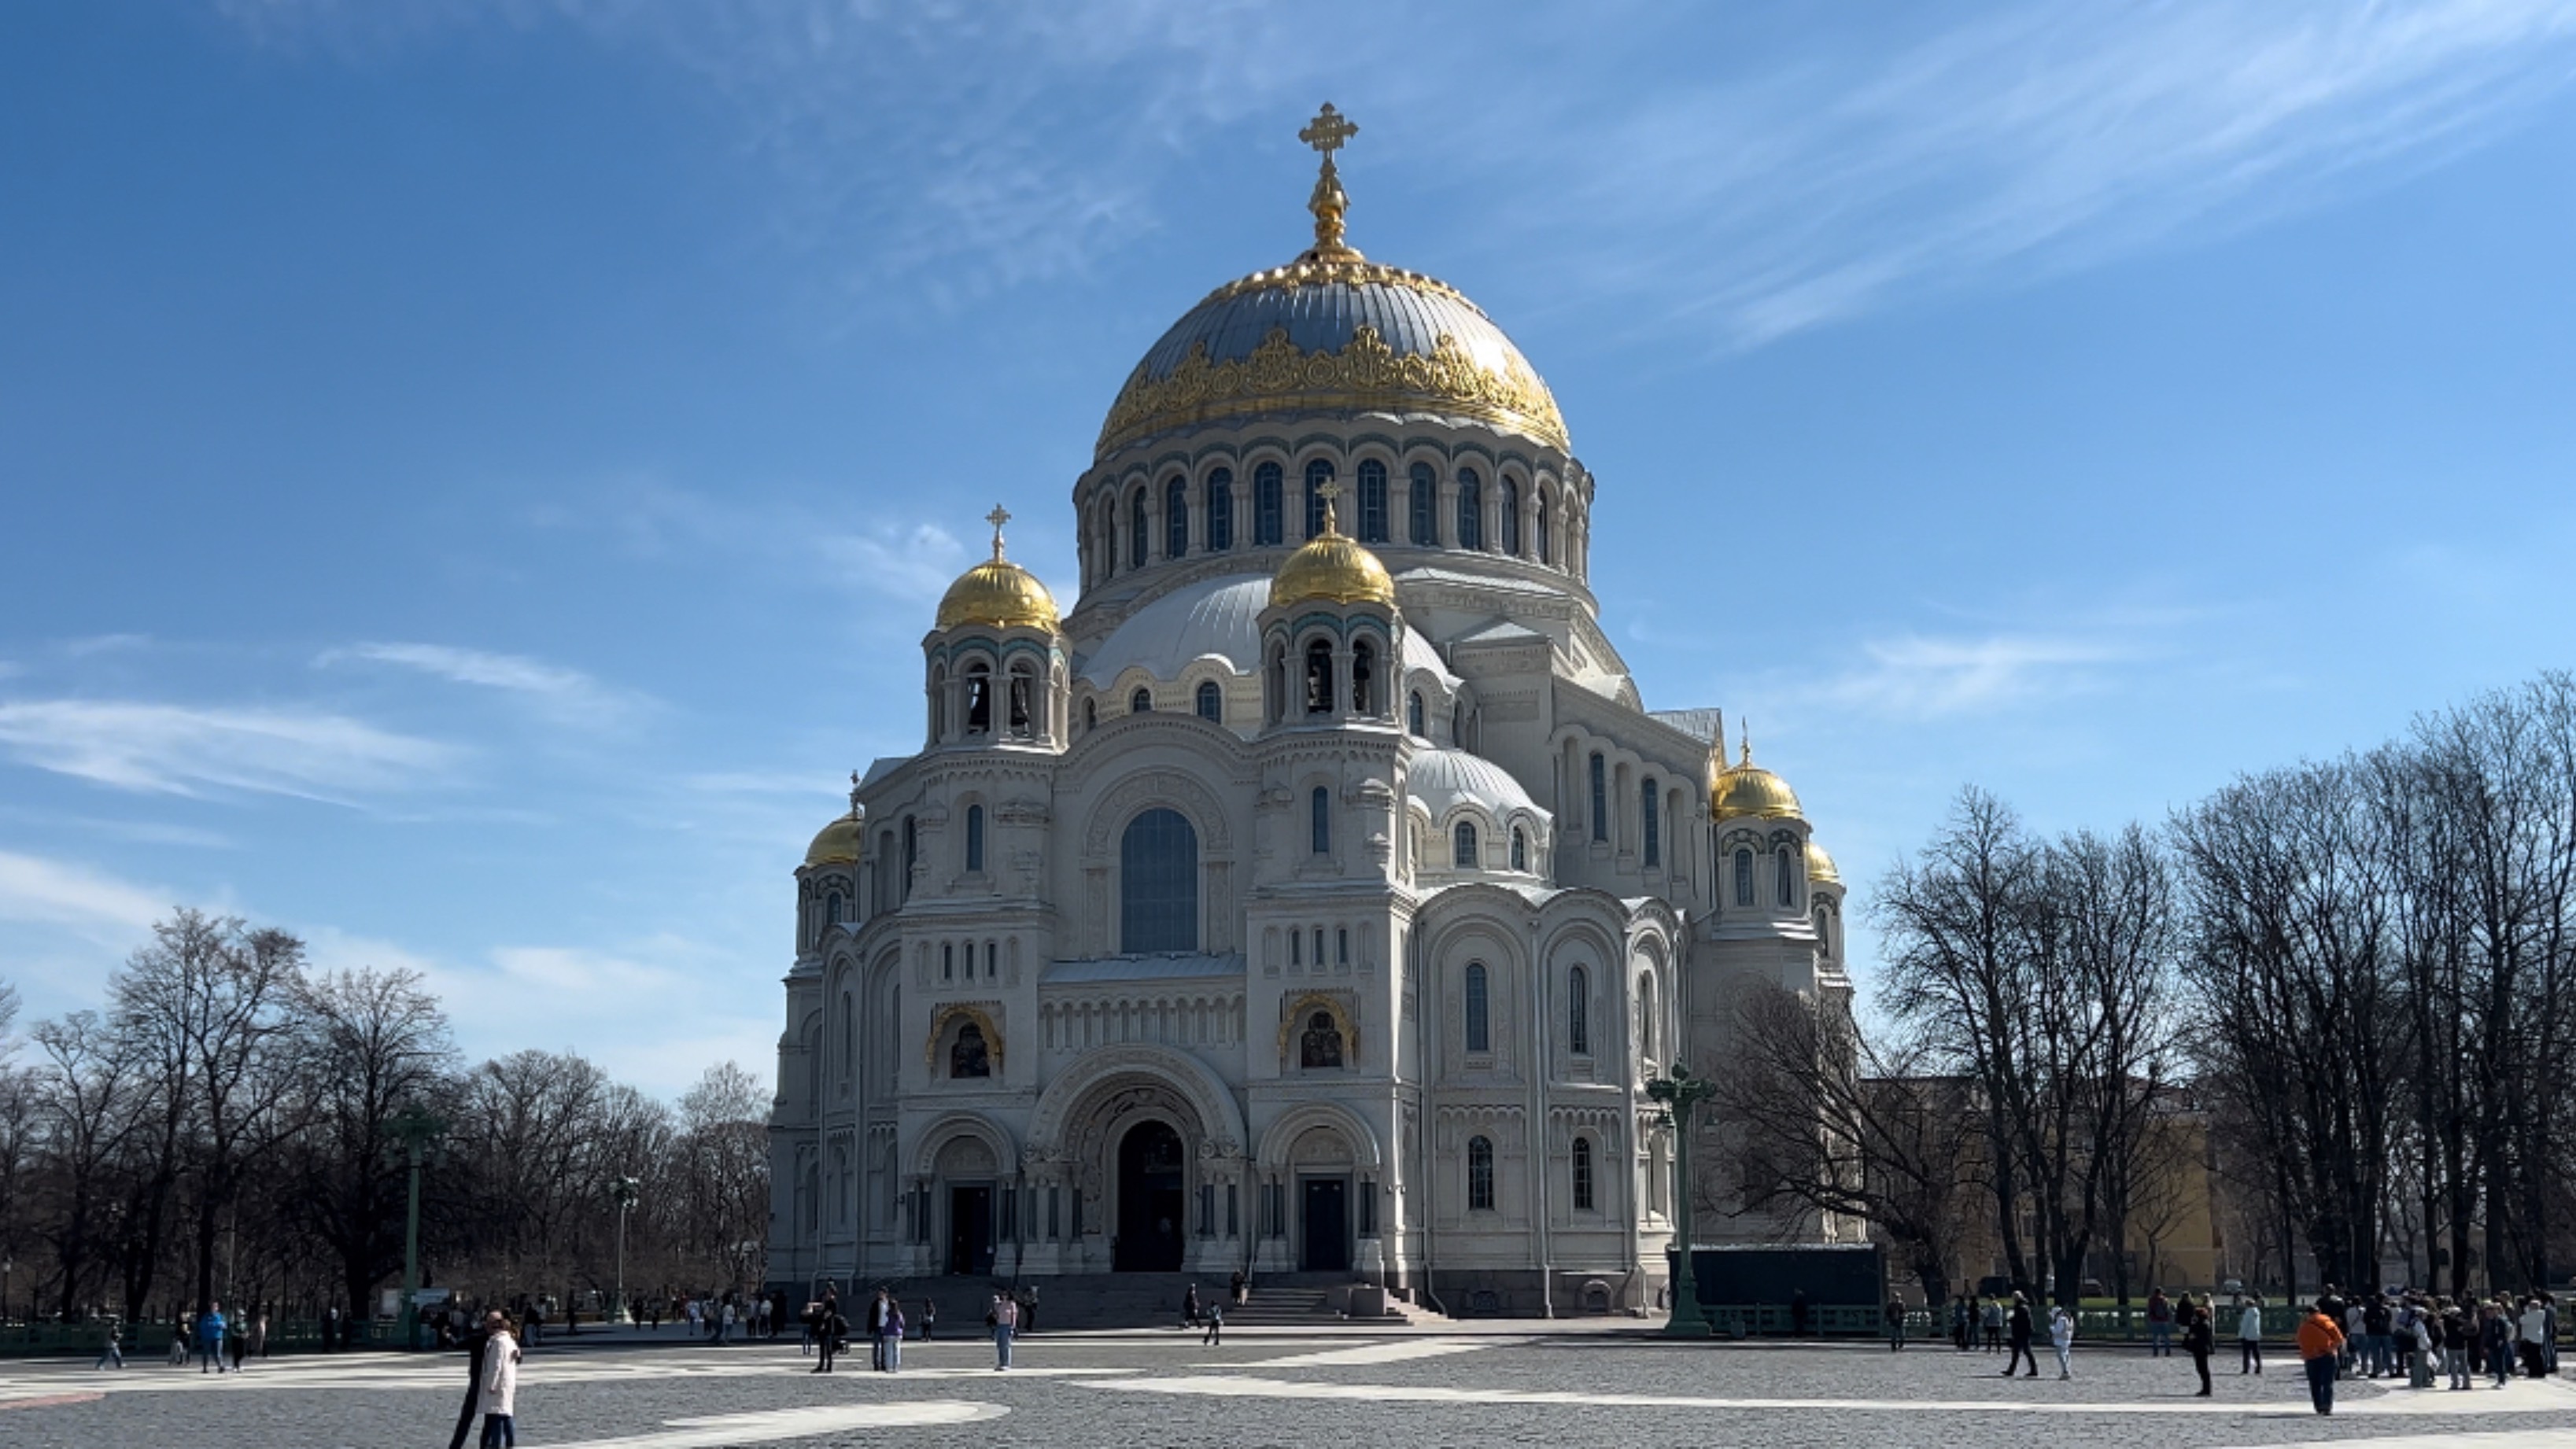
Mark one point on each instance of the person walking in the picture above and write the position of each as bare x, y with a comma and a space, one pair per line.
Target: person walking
238, 1344
2160, 1323
1962, 1322
1234, 1288
2497, 1342
1005, 1318
830, 1330
1190, 1307
1029, 1307
2019, 1327
929, 1318
500, 1404
1895, 1323
875, 1324
210, 1339
259, 1335
2199, 1339
890, 1335
2534, 1330
2321, 1344
112, 1352
1215, 1325
2419, 1339
2456, 1336
179, 1340
2249, 1338
2061, 1337
1995, 1323
476, 1342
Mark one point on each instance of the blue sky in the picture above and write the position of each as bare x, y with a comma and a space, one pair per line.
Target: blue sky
476, 476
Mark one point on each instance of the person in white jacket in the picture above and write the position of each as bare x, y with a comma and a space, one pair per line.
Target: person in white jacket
2249, 1338
500, 1384
2061, 1337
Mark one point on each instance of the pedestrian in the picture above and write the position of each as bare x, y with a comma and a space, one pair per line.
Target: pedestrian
259, 1335
179, 1344
1004, 1316
2249, 1338
876, 1318
929, 1318
2019, 1326
500, 1383
829, 1329
111, 1352
1190, 1307
2419, 1343
1215, 1325
1029, 1307
237, 1343
2496, 1342
2160, 1322
2200, 1339
1994, 1323
1960, 1319
2321, 1344
2378, 1338
1895, 1323
2061, 1337
890, 1335
2535, 1330
210, 1339
1235, 1287
2457, 1335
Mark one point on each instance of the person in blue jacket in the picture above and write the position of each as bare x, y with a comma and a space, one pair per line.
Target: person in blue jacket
210, 1339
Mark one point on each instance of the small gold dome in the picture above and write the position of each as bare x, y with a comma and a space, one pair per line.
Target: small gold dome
841, 842
1820, 866
1746, 791
1332, 566
997, 593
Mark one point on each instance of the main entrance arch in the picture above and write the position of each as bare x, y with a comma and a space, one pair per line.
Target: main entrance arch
1153, 1199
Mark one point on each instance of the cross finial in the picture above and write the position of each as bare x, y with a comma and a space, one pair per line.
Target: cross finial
1328, 490
1747, 727
854, 792
997, 518
1326, 133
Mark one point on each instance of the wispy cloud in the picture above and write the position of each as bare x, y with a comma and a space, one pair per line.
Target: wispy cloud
184, 750
55, 893
1919, 676
555, 689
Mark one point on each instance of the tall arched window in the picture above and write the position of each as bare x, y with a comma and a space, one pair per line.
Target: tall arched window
1106, 533
1546, 532
1022, 712
974, 838
1220, 510
1319, 472
1266, 510
979, 699
832, 910
1176, 519
1480, 1174
1422, 501
1512, 516
1578, 1012
1583, 1174
1479, 1025
1363, 679
1744, 877
1091, 714
1319, 678
1646, 1017
1137, 530
1600, 798
1319, 821
1462, 846
911, 853
1158, 883
1141, 702
1650, 822
1413, 721
1784, 865
1471, 509
1372, 519
1211, 702
1520, 849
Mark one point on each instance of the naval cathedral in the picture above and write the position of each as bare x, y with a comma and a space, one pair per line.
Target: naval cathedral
1318, 894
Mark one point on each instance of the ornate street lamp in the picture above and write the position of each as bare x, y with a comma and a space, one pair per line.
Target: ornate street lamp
623, 1191
412, 1130
1681, 1094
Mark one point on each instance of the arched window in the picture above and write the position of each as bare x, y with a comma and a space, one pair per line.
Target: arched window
1650, 822
1372, 519
1176, 519
1578, 1012
1158, 883
979, 700
1583, 1174
1266, 512
1785, 866
832, 910
1141, 702
1319, 821
1136, 530
970, 1055
911, 853
1520, 849
1744, 877
1319, 678
1462, 726
938, 704
1105, 532
948, 961
1600, 798
1471, 509
1321, 1045
1319, 472
1277, 701
1422, 501
1480, 1174
1462, 845
1646, 1017
1211, 702
1413, 721
1091, 714
1824, 932
1363, 679
974, 838
1220, 510
1546, 532
1512, 516
1023, 701
1479, 1033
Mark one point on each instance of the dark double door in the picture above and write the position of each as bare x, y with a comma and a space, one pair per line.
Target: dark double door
1151, 1200
1327, 1219
970, 1230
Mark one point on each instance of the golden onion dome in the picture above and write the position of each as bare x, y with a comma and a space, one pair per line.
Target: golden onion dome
1746, 791
1820, 866
1332, 566
841, 842
997, 593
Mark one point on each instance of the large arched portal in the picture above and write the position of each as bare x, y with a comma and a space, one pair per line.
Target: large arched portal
1152, 1198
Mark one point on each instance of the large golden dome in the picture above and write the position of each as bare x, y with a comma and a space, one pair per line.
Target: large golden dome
997, 593
1746, 791
1332, 566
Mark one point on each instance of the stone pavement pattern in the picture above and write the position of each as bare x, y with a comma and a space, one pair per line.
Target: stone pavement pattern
1350, 1393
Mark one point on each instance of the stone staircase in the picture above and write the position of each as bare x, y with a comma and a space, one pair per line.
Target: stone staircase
1075, 1302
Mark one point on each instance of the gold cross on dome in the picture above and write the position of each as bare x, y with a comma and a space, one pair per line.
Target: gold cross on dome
1328, 490
997, 518
1327, 132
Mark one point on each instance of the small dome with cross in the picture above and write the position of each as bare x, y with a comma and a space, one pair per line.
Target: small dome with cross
997, 593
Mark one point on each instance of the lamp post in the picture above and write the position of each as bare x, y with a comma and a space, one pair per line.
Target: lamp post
1681, 1094
623, 1191
413, 1129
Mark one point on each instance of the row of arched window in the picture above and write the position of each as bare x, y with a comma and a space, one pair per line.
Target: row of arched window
1466, 848
1650, 810
1480, 1173
1784, 877
1524, 522
1477, 994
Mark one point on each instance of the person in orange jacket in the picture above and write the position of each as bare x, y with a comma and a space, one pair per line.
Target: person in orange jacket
2320, 1342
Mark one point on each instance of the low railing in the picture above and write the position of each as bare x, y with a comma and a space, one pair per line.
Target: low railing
44, 1339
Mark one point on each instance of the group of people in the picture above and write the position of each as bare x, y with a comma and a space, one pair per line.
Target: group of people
218, 1344
827, 1328
2009, 1323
